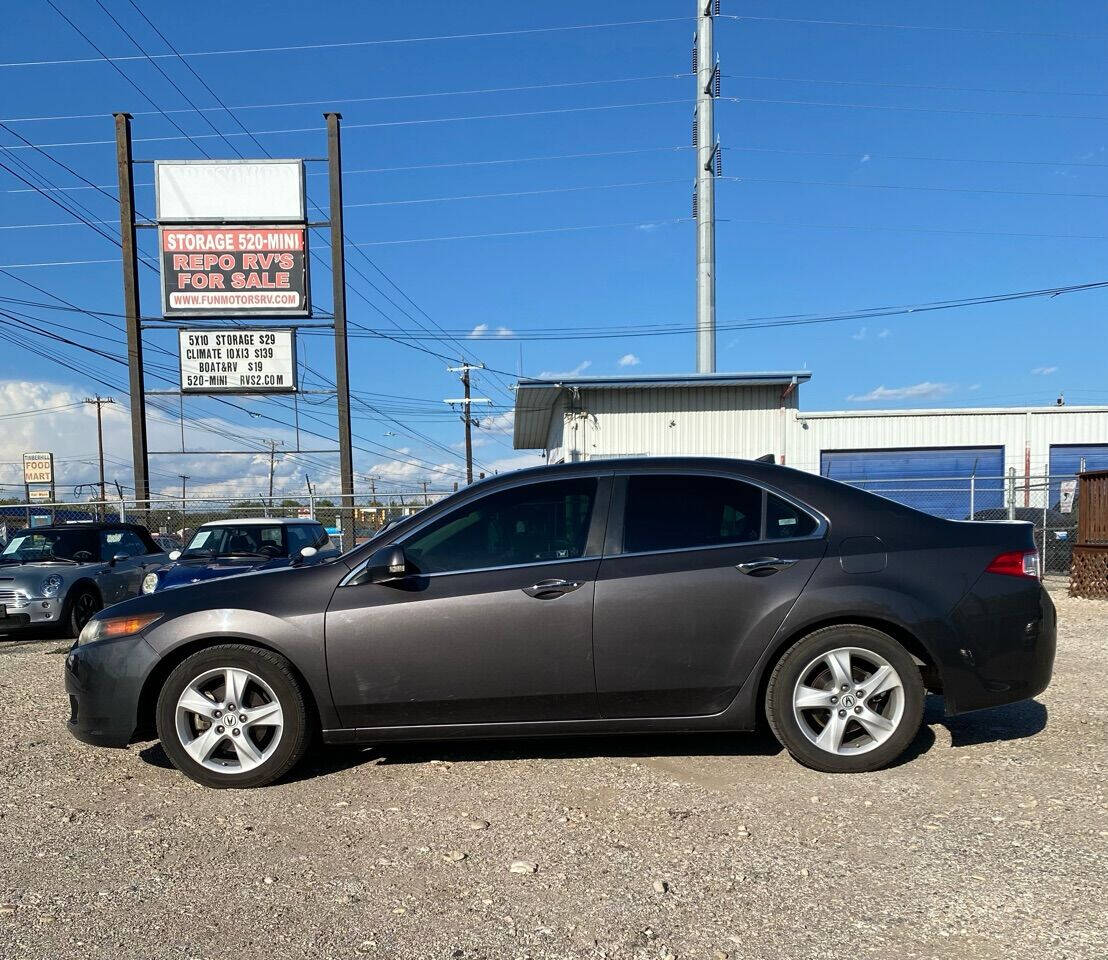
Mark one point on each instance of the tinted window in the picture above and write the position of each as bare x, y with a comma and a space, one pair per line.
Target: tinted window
304, 536
784, 520
34, 546
114, 542
249, 538
671, 512
530, 524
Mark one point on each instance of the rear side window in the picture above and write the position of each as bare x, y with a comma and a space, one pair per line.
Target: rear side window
674, 512
783, 520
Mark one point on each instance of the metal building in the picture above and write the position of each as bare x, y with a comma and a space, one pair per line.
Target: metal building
748, 415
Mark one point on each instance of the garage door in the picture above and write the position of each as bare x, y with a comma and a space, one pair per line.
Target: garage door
1065, 461
933, 479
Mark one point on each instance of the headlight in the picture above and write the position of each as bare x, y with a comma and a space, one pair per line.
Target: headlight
50, 586
113, 628
150, 583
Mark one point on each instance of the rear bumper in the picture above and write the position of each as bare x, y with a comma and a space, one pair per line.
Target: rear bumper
104, 681
1006, 630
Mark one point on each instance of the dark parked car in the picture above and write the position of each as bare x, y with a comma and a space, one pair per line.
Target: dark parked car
62, 574
225, 548
610, 596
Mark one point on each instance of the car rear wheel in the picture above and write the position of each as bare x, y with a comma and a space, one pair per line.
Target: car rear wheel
79, 610
845, 699
233, 716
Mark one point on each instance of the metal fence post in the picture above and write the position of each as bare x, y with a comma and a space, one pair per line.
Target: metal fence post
1011, 493
1046, 503
972, 495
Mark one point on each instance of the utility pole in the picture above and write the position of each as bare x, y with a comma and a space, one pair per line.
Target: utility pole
467, 402
706, 68
426, 501
129, 245
100, 401
184, 503
311, 497
273, 444
338, 301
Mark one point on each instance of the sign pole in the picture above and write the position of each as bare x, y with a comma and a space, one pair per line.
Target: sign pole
131, 308
338, 297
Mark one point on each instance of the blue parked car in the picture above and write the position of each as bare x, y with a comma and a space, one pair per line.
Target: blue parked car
225, 548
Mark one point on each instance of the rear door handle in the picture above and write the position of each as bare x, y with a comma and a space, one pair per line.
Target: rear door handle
764, 566
551, 589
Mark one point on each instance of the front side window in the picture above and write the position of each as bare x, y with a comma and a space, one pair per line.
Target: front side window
45, 546
675, 512
115, 542
304, 536
536, 523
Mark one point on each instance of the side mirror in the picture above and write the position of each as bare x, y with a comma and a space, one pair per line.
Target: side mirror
386, 565
119, 558
175, 556
308, 552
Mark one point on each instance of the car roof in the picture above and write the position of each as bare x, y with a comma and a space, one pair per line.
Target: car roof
94, 525
259, 521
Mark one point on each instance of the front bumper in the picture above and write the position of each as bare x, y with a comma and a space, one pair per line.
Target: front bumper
1007, 631
104, 681
30, 612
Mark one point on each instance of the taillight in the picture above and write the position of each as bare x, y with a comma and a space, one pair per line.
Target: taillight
1016, 563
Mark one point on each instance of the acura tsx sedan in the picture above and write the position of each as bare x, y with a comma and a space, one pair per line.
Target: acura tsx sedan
614, 596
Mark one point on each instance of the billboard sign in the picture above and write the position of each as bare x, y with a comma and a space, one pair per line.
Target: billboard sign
38, 468
259, 270
242, 360
229, 191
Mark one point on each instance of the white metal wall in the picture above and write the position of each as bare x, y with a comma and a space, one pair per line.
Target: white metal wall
1024, 433
742, 422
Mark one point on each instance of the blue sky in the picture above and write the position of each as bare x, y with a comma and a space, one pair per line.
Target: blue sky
1007, 193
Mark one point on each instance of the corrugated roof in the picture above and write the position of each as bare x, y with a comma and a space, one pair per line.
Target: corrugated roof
535, 398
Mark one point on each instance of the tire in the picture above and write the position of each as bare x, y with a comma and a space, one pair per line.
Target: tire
808, 709
211, 743
79, 608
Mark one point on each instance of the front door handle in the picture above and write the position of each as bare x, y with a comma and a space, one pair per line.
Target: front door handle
764, 566
551, 589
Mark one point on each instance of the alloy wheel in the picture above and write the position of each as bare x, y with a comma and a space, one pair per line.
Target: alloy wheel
83, 610
848, 701
229, 720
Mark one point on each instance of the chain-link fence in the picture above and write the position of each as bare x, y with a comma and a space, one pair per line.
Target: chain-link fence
173, 521
1036, 499
1044, 501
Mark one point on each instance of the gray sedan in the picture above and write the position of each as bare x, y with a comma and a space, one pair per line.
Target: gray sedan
61, 575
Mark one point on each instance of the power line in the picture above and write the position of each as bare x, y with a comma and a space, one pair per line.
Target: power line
441, 166
640, 224
372, 126
907, 109
342, 101
913, 26
354, 43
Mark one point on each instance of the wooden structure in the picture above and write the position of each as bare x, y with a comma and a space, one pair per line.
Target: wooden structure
1089, 573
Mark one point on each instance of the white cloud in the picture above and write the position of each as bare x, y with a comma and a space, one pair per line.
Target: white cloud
565, 374
504, 331
884, 333
860, 335
628, 360
478, 331
1043, 371
865, 158
917, 391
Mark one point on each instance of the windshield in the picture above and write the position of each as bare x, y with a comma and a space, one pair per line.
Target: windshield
45, 546
249, 539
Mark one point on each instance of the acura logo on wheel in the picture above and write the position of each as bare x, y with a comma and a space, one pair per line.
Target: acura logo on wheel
848, 701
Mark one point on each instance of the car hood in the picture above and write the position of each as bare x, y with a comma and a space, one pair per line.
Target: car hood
28, 576
188, 572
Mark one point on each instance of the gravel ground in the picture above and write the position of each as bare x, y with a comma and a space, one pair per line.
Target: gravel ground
991, 840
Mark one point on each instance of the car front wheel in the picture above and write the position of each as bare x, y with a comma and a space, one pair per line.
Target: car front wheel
79, 610
233, 716
845, 699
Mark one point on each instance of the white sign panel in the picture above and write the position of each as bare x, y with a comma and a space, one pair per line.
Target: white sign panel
237, 361
1066, 496
40, 495
229, 191
38, 468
